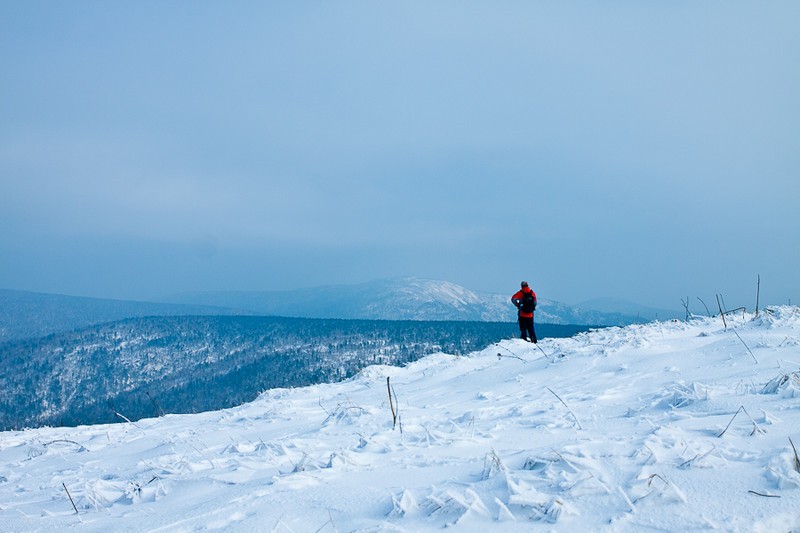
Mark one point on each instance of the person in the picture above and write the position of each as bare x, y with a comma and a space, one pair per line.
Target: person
525, 300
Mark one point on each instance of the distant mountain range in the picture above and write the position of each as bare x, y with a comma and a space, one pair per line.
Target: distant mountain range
418, 299
26, 314
29, 315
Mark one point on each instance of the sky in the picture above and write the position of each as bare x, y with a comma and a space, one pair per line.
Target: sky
640, 150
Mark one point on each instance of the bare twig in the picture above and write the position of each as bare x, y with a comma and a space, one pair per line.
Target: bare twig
745, 345
541, 350
686, 306
70, 497
758, 292
704, 305
729, 423
731, 311
764, 495
512, 354
756, 429
719, 305
567, 406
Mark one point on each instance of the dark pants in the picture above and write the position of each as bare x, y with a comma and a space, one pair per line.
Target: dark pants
526, 329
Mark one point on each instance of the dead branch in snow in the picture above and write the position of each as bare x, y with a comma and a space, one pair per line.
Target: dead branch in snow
796, 459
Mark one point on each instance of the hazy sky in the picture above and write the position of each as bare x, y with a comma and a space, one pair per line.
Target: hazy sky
644, 150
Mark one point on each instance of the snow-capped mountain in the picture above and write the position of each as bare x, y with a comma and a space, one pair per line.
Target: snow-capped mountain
398, 299
667, 426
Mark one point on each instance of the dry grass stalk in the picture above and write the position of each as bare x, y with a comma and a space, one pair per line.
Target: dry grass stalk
567, 406
500, 356
796, 459
70, 497
391, 404
764, 495
746, 346
704, 305
758, 291
81, 447
541, 350
719, 305
756, 429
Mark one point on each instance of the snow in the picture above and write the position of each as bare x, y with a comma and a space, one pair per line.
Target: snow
668, 426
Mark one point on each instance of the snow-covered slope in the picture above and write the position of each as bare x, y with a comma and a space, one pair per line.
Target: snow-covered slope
668, 426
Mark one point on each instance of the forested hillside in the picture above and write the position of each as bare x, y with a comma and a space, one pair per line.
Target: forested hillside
144, 367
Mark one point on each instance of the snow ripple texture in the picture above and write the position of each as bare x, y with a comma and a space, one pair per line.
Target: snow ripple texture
669, 426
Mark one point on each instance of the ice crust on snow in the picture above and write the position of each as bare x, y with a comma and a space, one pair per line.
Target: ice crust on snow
668, 426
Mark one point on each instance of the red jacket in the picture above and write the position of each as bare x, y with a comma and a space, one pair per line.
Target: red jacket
517, 299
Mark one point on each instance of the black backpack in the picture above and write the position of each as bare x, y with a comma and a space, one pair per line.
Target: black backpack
528, 303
